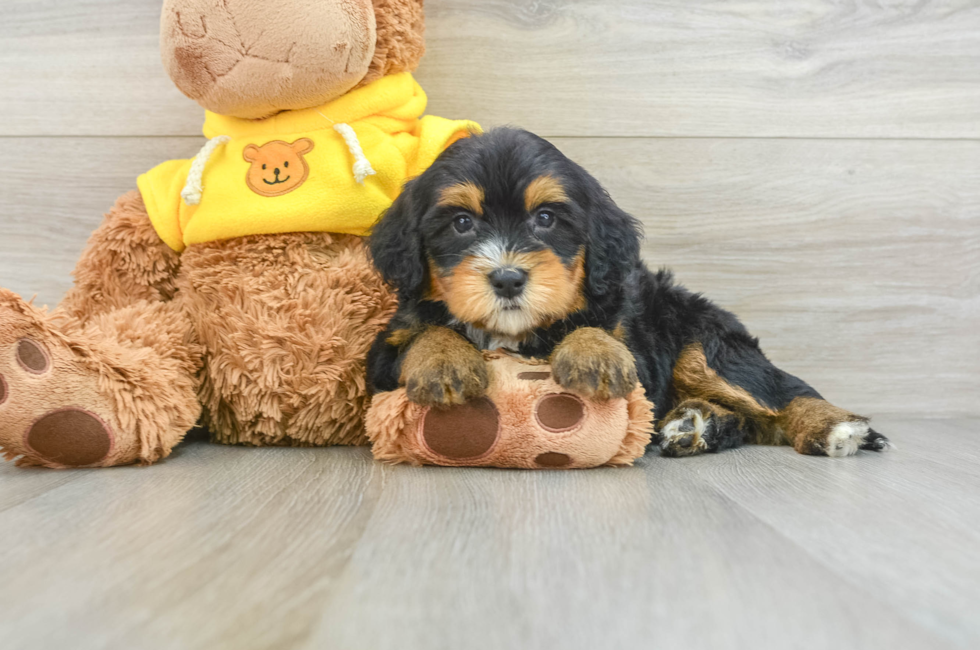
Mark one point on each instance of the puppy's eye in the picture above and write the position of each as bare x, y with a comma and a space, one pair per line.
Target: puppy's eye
286, 164
544, 219
263, 166
462, 223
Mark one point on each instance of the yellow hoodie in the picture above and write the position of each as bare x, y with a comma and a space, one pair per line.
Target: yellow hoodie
335, 168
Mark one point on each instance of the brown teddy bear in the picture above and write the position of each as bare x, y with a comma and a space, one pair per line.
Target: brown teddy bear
234, 288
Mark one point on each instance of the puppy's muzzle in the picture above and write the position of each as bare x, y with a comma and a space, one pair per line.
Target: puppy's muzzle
508, 282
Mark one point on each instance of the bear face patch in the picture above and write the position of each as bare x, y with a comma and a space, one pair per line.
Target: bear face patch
277, 167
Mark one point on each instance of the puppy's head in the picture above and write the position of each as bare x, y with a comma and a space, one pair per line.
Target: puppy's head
506, 231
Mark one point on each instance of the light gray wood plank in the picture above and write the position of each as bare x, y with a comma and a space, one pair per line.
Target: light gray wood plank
589, 67
953, 443
813, 68
28, 484
88, 67
856, 262
58, 191
225, 547
644, 557
218, 547
900, 526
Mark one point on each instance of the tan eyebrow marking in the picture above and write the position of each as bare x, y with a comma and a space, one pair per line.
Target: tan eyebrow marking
544, 189
463, 195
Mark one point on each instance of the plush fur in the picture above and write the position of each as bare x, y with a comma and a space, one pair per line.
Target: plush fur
295, 315
507, 243
134, 369
262, 338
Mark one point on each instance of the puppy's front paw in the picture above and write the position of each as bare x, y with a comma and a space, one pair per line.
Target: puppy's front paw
440, 381
442, 369
591, 362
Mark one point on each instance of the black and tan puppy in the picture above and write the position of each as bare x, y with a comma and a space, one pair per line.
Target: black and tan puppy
506, 243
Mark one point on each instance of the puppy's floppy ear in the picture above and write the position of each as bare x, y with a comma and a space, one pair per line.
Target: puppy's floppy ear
396, 244
614, 241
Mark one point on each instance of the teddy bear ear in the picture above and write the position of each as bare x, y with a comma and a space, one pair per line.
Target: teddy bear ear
251, 153
302, 146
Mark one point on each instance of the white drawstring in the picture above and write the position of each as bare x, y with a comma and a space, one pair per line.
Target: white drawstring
362, 166
194, 186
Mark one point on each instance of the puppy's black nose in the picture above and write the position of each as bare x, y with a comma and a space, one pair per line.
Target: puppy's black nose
508, 283
276, 170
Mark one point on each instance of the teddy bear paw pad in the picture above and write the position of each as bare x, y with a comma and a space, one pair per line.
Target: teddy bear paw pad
44, 385
559, 413
72, 437
32, 357
553, 459
462, 432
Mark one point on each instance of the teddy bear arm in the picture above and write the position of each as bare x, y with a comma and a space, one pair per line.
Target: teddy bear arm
124, 262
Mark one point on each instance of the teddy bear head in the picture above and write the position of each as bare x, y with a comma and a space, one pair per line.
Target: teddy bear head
255, 58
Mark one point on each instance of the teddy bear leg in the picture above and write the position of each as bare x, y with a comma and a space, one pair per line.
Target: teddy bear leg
109, 377
118, 391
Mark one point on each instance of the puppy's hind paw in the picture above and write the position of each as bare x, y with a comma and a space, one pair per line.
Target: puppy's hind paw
684, 435
846, 438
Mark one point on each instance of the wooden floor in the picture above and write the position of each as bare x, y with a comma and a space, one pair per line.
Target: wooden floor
223, 547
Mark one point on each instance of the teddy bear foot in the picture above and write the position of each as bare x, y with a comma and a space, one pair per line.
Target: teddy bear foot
60, 401
42, 390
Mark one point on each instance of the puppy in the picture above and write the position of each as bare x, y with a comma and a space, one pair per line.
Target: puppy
506, 243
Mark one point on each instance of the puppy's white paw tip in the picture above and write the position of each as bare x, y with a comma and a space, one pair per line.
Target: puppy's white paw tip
845, 438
